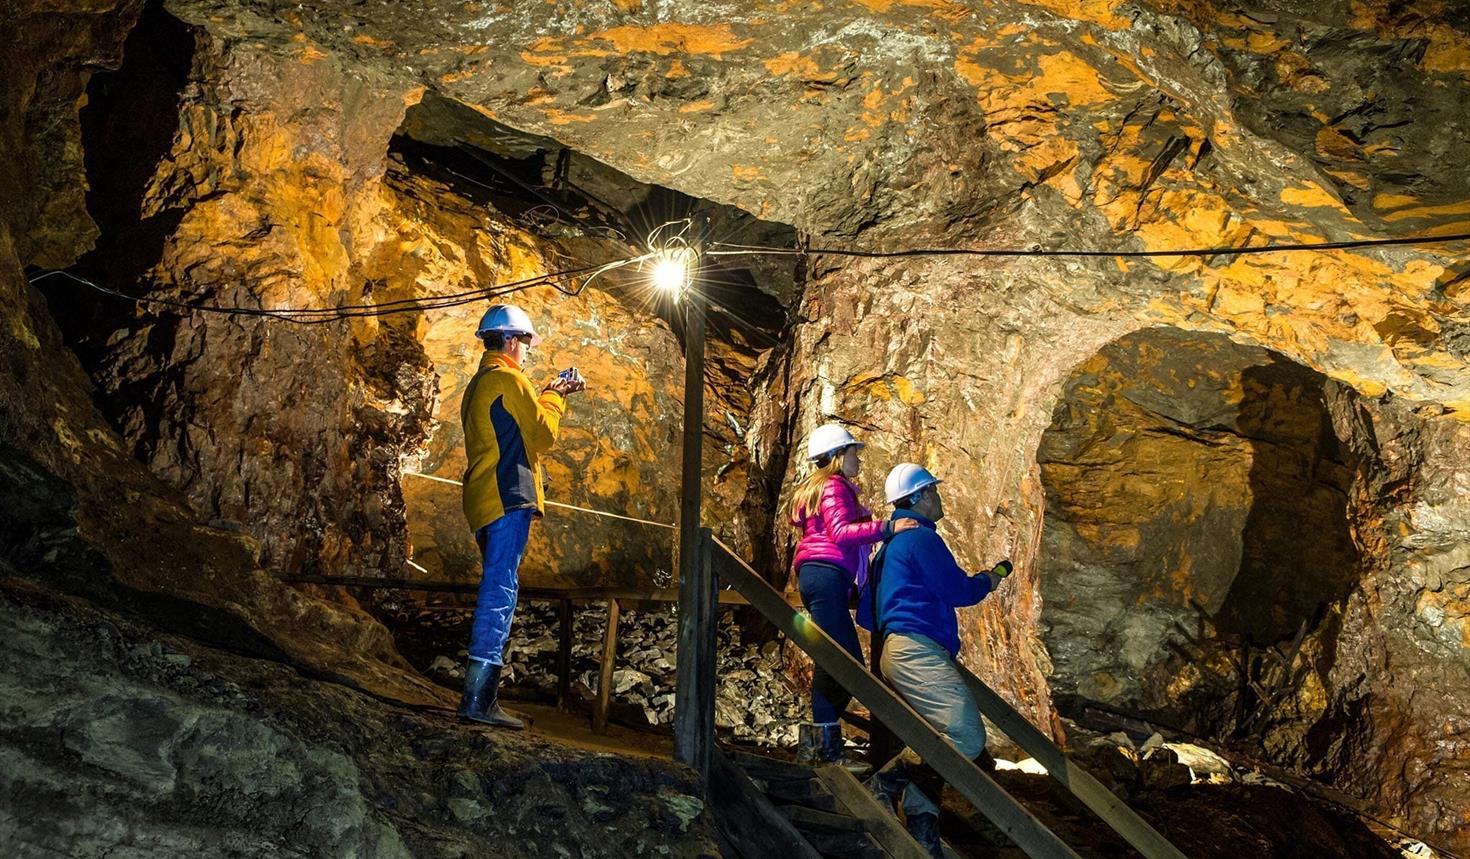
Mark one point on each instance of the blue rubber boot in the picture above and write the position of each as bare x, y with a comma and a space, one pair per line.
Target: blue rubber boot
831, 749
887, 784
480, 701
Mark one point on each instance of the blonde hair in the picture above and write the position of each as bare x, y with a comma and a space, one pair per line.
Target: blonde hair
808, 494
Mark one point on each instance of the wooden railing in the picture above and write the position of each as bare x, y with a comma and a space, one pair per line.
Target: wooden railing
960, 772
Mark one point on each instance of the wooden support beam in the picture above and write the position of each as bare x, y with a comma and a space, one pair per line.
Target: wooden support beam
694, 669
747, 819
979, 788
564, 656
1078, 781
694, 665
605, 679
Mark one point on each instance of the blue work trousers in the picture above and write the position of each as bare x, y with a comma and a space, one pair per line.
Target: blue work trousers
502, 545
825, 590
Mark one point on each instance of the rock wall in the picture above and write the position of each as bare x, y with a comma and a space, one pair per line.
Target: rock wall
82, 514
270, 190
263, 197
619, 441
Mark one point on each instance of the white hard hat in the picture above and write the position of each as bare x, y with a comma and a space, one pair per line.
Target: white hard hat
827, 439
905, 479
507, 319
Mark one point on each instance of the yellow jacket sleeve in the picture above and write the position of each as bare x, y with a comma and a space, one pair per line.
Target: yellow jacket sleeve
540, 418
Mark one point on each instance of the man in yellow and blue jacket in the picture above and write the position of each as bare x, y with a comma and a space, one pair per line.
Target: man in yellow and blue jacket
507, 428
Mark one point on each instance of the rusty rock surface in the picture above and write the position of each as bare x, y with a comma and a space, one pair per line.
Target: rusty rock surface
1196, 515
84, 515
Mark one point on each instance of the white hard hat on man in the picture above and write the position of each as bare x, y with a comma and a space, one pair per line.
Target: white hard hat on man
905, 479
507, 319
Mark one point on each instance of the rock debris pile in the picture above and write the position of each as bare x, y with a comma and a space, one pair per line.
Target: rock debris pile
756, 701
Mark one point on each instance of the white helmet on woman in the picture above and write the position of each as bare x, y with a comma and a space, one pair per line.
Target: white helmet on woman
509, 320
828, 439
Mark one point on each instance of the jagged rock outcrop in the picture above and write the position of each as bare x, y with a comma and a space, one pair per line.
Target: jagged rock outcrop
116, 739
83, 515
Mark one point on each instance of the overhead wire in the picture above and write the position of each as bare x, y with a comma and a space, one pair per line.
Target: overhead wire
336, 313
731, 249
657, 239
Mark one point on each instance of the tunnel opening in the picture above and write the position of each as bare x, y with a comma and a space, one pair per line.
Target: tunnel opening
1199, 540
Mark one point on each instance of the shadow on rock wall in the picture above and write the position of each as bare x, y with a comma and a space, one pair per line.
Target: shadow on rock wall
1197, 530
1241, 549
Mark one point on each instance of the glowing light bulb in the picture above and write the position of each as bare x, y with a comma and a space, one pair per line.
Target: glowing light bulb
671, 272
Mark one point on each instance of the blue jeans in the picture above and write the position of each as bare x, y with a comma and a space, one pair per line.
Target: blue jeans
502, 545
824, 592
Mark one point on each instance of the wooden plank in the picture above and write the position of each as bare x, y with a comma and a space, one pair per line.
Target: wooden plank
526, 592
747, 819
1078, 781
762, 766
605, 678
810, 793
694, 664
979, 788
811, 818
694, 700
881, 822
564, 656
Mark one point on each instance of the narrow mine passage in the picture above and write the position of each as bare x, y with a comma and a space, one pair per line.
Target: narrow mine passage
1200, 540
247, 252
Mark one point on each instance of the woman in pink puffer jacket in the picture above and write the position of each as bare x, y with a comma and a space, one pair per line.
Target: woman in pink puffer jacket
831, 561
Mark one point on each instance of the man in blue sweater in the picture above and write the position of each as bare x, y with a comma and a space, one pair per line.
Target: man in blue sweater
909, 604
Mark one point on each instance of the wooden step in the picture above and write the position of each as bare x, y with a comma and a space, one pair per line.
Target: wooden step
760, 766
746, 818
883, 825
811, 820
809, 792
846, 845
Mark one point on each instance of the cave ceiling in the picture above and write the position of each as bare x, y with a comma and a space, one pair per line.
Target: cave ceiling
902, 123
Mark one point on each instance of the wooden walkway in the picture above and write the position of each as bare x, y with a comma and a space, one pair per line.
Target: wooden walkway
616, 599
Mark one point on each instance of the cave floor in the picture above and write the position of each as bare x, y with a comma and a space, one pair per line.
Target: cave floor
573, 730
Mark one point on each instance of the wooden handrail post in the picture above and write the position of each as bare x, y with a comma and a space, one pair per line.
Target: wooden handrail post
609, 664
694, 691
694, 698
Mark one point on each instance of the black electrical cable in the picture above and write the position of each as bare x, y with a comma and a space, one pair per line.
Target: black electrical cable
321, 315
736, 249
